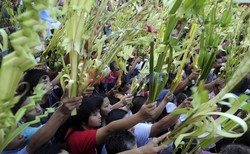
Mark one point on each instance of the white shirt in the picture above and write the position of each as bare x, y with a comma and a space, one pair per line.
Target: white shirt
142, 133
171, 107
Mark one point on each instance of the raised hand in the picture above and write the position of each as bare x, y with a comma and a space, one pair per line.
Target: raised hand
147, 111
194, 75
168, 97
186, 103
127, 100
154, 146
69, 104
88, 92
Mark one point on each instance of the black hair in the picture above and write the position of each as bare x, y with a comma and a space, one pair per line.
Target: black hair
242, 86
113, 100
235, 148
171, 78
180, 98
32, 77
115, 114
89, 105
221, 54
130, 60
138, 101
100, 95
120, 141
52, 148
124, 81
217, 70
243, 140
112, 65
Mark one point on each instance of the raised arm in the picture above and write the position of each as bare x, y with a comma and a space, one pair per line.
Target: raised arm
216, 82
57, 119
168, 121
133, 65
145, 113
123, 102
182, 85
56, 80
162, 105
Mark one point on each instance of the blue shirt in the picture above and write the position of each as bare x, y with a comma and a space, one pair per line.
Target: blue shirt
44, 15
29, 132
162, 95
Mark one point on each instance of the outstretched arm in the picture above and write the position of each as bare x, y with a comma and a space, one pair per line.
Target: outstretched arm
145, 113
57, 119
162, 105
168, 121
182, 85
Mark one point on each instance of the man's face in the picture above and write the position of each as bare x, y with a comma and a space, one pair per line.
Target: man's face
47, 84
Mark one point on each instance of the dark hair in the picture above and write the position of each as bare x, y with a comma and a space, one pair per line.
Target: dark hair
115, 114
242, 86
235, 148
119, 141
171, 78
32, 77
130, 60
100, 95
180, 97
112, 65
124, 82
52, 148
138, 101
89, 105
113, 100
217, 70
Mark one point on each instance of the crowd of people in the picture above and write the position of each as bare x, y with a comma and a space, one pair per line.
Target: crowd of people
109, 118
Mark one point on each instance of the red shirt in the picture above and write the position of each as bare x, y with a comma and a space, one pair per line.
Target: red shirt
82, 142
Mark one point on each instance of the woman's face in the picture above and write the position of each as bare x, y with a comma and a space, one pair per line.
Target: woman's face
106, 107
95, 120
